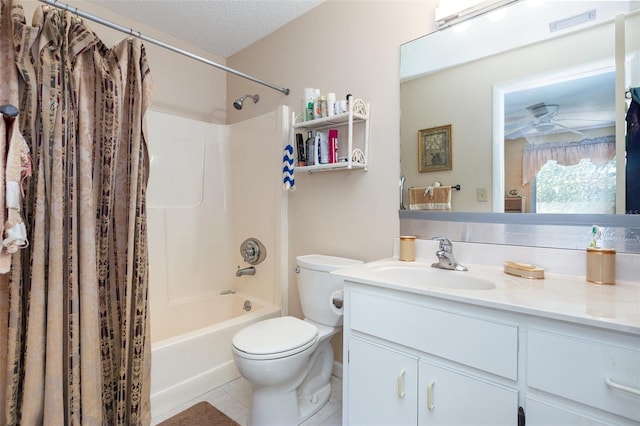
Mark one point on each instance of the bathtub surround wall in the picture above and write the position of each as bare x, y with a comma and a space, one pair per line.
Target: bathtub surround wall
211, 187
258, 202
189, 240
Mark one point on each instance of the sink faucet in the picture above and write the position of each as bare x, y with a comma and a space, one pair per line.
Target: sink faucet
446, 260
250, 270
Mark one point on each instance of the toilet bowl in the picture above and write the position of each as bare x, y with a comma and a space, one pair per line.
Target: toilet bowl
288, 361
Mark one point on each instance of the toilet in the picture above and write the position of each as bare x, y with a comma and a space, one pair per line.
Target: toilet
288, 361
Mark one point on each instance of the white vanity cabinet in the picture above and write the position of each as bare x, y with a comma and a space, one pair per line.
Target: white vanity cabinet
399, 368
398, 388
569, 369
415, 359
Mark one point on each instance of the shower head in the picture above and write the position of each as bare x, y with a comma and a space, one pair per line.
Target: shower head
239, 103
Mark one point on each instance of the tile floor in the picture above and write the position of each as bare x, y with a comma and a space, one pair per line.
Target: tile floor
233, 400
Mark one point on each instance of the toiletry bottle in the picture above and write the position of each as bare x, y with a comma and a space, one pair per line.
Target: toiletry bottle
317, 110
333, 145
307, 103
316, 149
323, 144
309, 112
300, 148
309, 149
331, 104
323, 106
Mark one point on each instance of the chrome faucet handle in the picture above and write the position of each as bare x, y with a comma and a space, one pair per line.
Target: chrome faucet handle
445, 244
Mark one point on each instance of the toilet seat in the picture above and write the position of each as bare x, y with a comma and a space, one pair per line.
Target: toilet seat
275, 338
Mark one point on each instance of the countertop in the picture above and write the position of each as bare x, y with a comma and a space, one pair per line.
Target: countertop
558, 296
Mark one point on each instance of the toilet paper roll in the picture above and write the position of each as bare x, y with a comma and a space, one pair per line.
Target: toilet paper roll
336, 301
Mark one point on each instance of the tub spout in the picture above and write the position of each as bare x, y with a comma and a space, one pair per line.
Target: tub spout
227, 292
245, 271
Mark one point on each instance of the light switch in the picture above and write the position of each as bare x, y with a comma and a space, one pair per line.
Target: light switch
481, 194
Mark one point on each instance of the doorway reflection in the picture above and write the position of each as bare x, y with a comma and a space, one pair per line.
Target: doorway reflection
559, 142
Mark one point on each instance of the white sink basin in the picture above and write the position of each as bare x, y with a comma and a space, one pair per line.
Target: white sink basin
426, 276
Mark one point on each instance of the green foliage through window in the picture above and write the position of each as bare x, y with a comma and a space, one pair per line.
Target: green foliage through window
581, 188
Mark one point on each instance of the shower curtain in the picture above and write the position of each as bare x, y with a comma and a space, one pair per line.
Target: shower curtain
78, 347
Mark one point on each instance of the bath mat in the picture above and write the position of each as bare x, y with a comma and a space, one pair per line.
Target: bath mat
201, 414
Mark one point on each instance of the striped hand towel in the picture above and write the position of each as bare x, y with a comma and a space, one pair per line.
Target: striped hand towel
288, 182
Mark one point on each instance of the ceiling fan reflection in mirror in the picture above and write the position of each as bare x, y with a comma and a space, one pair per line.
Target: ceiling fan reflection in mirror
545, 119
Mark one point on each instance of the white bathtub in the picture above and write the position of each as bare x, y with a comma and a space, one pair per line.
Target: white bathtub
189, 364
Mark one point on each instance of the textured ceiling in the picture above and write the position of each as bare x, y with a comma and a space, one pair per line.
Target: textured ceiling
222, 27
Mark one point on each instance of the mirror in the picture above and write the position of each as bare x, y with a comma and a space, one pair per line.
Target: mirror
490, 79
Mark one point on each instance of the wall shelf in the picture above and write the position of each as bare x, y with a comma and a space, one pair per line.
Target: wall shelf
358, 114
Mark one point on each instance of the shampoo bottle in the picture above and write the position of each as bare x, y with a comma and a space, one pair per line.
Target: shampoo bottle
323, 147
309, 149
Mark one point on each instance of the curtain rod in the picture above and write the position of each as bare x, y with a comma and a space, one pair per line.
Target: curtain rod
141, 36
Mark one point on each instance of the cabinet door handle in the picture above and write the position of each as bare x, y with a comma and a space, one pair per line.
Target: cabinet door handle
401, 383
621, 387
430, 404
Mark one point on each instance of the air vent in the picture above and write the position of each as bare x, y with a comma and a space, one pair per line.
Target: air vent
572, 21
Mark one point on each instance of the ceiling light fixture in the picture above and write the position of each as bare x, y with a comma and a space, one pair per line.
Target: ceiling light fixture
452, 13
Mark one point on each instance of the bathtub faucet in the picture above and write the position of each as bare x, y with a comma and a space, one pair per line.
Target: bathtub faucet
250, 270
227, 292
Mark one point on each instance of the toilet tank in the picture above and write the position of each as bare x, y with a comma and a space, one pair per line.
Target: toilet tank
316, 286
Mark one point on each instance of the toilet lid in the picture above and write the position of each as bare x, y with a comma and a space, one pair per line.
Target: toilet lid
276, 336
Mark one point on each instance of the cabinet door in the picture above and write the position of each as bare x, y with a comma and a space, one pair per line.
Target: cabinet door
451, 397
382, 388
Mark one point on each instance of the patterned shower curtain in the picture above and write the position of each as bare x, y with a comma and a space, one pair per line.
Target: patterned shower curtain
77, 343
